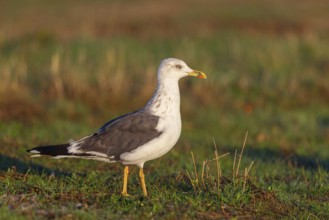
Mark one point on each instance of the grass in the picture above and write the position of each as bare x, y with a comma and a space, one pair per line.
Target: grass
51, 88
59, 84
207, 180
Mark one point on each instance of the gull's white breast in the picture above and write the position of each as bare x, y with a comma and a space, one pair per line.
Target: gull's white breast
166, 105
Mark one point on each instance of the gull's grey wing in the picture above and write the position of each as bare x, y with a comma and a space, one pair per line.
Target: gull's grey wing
122, 134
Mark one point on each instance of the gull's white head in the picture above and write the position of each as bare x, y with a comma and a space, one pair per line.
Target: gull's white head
172, 68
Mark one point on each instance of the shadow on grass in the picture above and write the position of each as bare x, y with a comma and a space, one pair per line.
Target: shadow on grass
22, 167
307, 162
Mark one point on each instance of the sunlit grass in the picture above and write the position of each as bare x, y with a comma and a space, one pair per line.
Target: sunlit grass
275, 87
210, 178
118, 70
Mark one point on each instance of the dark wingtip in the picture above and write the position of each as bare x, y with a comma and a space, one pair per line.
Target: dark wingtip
51, 150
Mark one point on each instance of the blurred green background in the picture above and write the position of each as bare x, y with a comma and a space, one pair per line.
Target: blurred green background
66, 67
86, 61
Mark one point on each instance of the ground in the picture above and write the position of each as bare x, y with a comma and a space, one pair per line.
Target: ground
65, 69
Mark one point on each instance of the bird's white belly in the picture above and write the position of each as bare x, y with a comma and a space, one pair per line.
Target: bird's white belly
156, 147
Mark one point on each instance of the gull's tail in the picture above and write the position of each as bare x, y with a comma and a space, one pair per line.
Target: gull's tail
50, 150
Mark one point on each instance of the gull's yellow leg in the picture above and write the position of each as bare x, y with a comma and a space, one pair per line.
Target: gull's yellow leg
125, 181
142, 177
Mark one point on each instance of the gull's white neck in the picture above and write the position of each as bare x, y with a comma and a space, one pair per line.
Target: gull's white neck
166, 99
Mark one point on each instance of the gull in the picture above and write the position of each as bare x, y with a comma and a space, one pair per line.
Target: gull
136, 137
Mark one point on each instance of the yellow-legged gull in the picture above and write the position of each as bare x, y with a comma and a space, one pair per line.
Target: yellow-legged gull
137, 137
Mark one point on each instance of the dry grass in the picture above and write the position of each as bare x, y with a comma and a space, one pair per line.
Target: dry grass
211, 177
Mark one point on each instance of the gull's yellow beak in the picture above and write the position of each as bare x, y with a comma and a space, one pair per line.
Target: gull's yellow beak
198, 74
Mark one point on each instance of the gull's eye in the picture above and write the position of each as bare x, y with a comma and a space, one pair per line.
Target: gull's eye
178, 66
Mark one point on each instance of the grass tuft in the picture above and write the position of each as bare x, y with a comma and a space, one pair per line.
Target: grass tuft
237, 188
